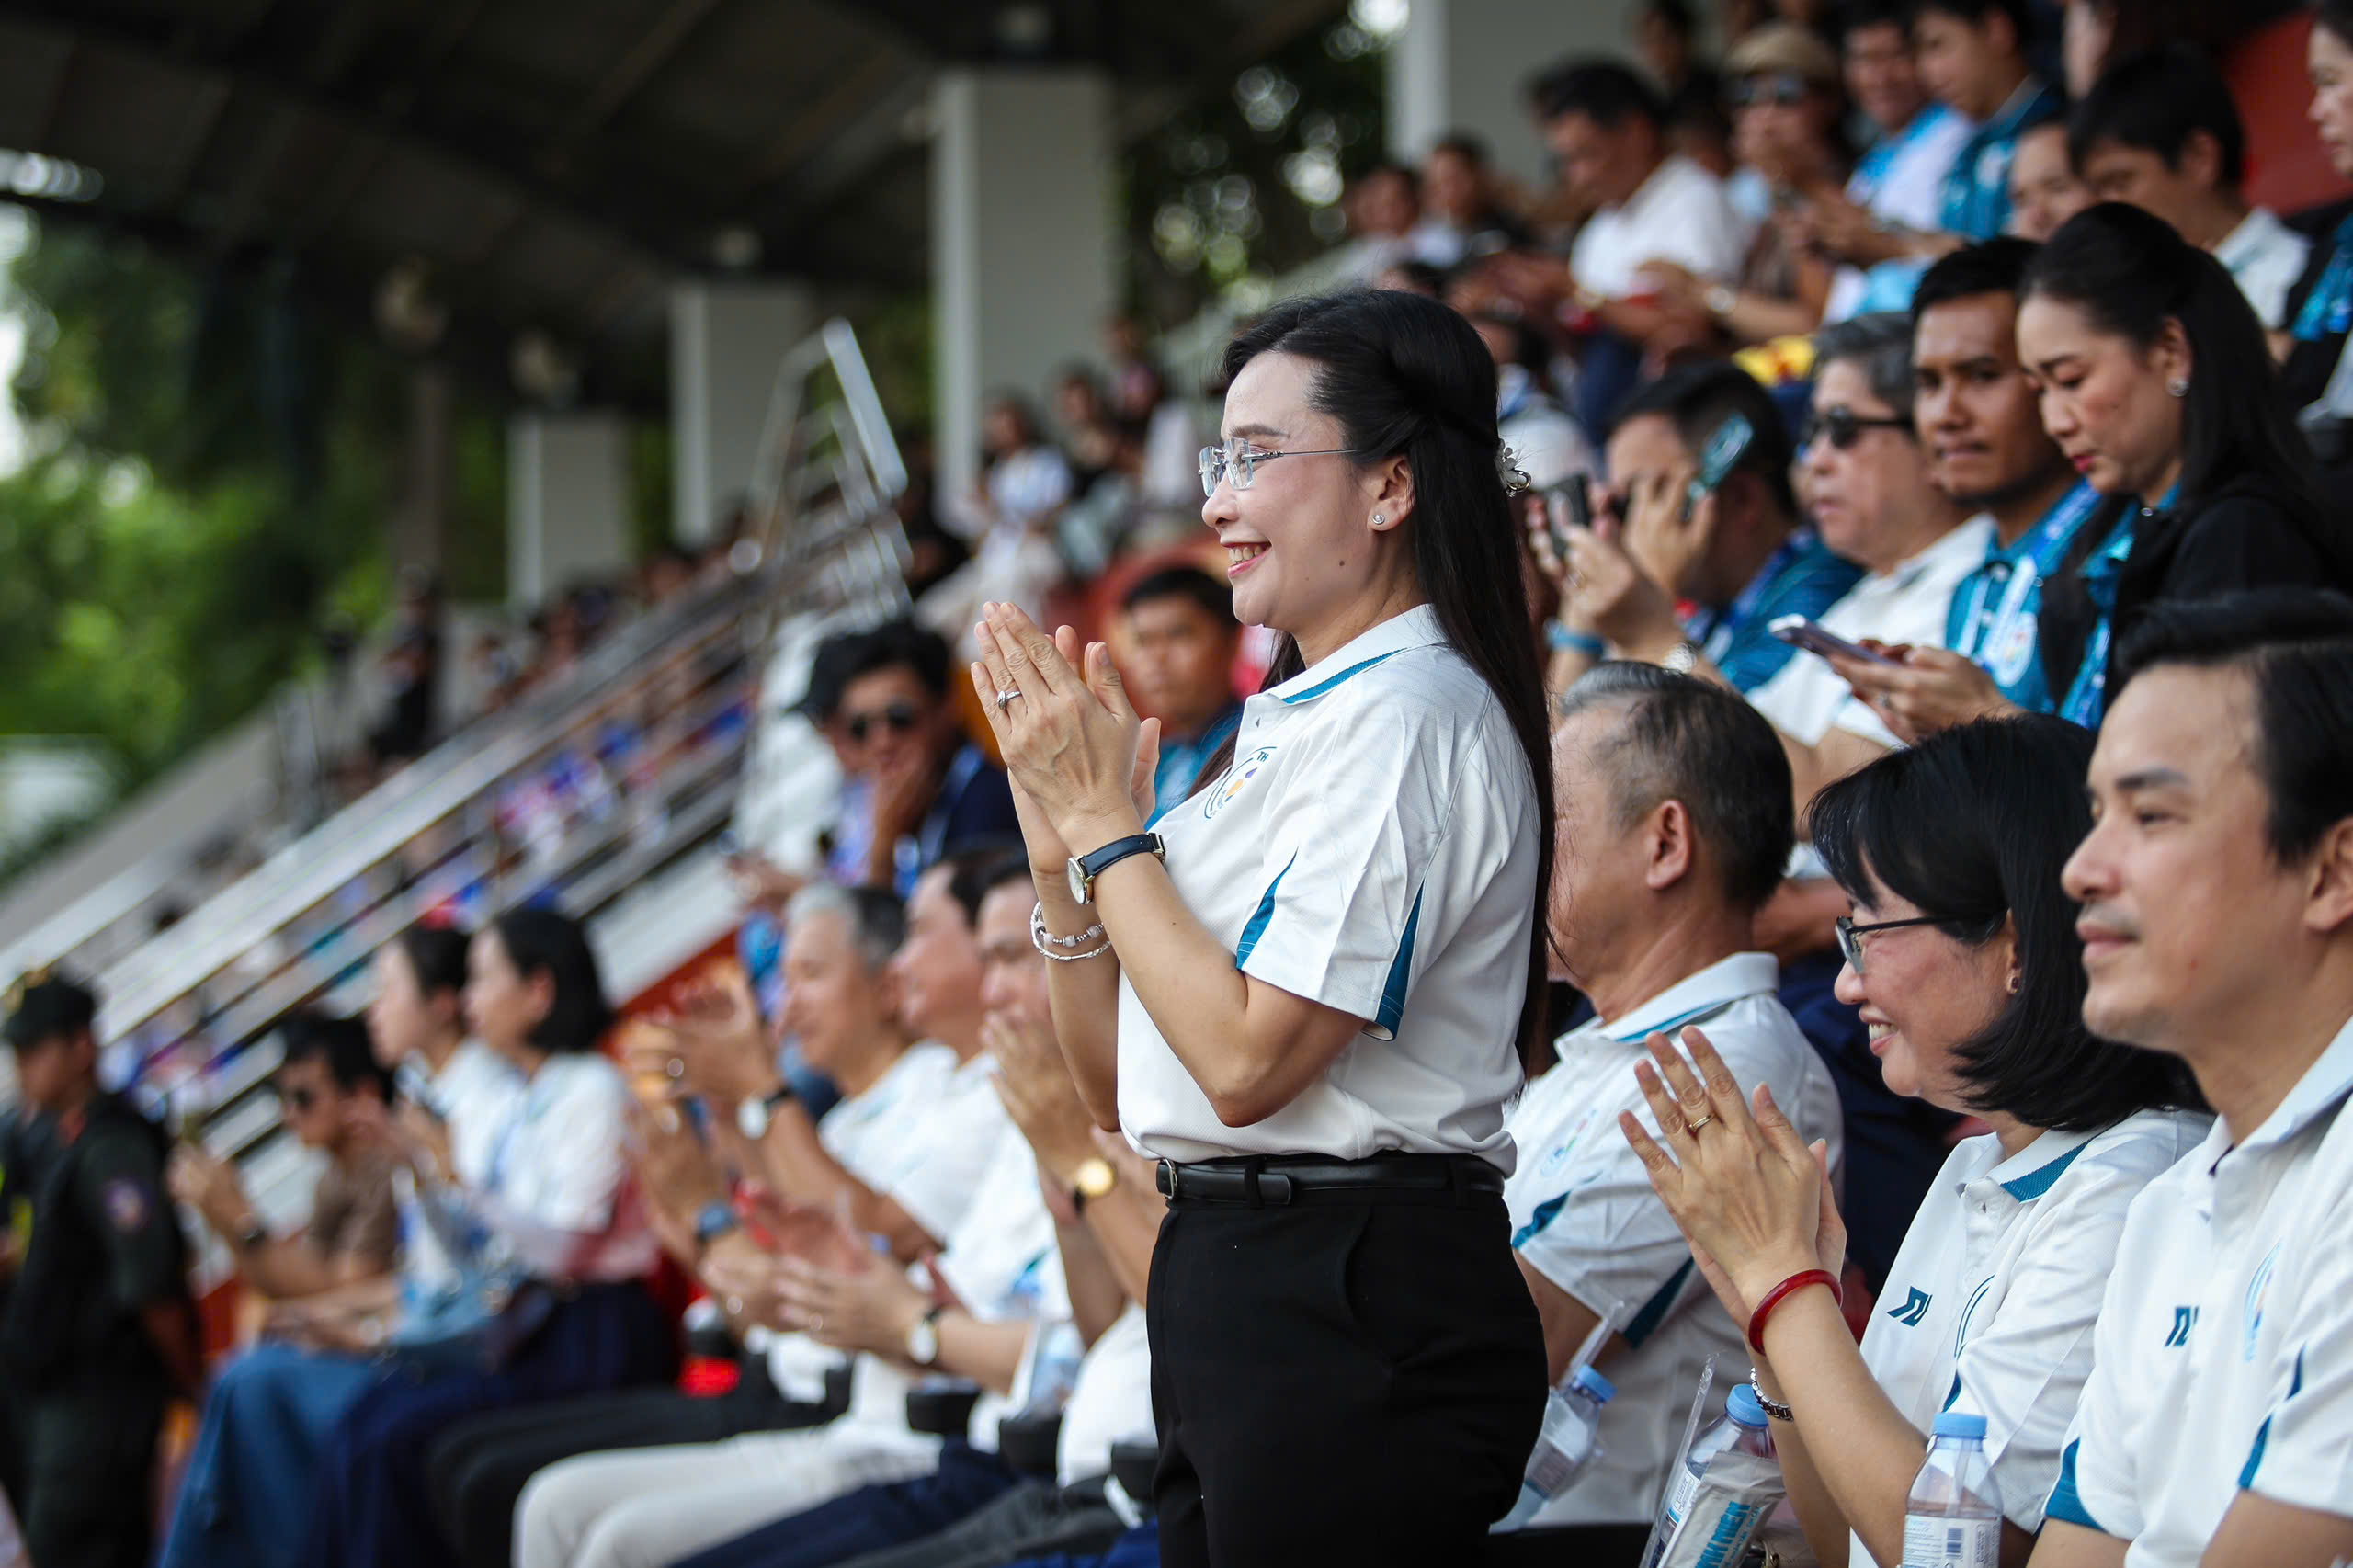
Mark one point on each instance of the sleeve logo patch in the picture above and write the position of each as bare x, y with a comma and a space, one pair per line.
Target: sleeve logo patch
125, 1202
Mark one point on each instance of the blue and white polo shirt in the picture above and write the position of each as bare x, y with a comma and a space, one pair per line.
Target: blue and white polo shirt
1373, 848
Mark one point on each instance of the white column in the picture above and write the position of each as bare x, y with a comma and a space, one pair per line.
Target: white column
567, 502
1464, 65
725, 342
1022, 240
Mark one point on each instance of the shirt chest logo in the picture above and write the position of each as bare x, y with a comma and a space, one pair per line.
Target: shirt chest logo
2184, 1320
2259, 1292
1914, 1309
1237, 779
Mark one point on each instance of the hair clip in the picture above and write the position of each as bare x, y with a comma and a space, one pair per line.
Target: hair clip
1507, 468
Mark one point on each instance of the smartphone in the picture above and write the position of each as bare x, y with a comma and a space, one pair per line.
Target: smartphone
1568, 504
1800, 632
1718, 457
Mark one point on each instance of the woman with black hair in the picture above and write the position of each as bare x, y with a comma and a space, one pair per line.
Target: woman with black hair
1310, 991
1962, 955
249, 1477
567, 1247
2155, 380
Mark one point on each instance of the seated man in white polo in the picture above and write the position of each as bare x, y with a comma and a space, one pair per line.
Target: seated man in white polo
1672, 806
2216, 889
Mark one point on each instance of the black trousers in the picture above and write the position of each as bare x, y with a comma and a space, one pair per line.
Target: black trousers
1356, 1378
476, 1470
89, 1459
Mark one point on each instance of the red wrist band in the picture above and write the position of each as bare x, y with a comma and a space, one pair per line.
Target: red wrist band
1781, 1293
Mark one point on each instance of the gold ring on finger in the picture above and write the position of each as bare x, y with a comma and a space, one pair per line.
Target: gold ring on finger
1694, 1126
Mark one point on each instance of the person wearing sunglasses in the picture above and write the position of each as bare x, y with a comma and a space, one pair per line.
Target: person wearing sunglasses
1869, 485
353, 1233
1785, 103
1961, 951
932, 789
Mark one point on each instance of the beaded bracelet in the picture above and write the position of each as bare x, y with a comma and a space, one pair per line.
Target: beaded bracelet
1046, 942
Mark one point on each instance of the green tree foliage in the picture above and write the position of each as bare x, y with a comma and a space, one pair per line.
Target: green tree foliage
209, 475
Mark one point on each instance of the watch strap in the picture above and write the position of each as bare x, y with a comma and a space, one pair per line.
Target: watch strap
714, 1219
1095, 862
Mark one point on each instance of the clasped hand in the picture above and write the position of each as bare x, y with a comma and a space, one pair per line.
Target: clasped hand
1080, 761
1749, 1195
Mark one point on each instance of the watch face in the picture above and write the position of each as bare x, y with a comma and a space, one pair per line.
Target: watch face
1078, 879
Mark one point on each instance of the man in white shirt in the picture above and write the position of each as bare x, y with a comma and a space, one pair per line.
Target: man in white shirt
2161, 132
1672, 811
2216, 889
1606, 126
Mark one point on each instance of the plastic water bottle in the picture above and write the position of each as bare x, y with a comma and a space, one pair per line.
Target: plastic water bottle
1743, 1430
1564, 1447
1953, 1518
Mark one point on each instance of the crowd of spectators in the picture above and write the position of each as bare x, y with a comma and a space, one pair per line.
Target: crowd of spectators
1932, 468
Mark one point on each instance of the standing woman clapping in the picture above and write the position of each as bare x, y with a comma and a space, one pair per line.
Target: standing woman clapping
1308, 993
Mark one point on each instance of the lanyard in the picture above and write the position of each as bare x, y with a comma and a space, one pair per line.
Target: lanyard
2328, 308
2086, 700
2024, 566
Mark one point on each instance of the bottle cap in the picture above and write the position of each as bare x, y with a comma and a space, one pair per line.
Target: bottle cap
1961, 1423
1742, 1406
1593, 1383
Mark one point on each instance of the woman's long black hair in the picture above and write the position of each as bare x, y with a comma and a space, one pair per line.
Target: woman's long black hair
1406, 377
542, 941
2130, 272
1974, 825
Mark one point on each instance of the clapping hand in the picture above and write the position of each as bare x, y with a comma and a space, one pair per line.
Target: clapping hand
712, 1042
1034, 1082
1080, 760
1749, 1194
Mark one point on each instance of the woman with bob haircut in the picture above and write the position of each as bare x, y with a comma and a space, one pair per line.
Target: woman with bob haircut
568, 1244
1962, 955
2156, 381
1309, 990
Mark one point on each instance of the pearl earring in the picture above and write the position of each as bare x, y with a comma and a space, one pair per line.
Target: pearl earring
2178, 386
1378, 519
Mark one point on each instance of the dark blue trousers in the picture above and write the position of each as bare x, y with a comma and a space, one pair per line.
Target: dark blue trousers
872, 1518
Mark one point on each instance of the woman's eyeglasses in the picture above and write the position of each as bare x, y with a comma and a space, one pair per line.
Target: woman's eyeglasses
1237, 460
1784, 88
1842, 428
1850, 935
900, 716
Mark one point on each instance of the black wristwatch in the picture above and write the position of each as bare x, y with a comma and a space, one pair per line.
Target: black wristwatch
1084, 869
712, 1220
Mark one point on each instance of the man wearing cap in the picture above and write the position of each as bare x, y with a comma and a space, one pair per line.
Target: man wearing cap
99, 1331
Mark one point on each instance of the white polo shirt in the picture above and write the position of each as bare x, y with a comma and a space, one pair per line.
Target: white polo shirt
1679, 214
1806, 699
1111, 1402
559, 1190
1990, 1302
2264, 257
1373, 848
2223, 1354
1584, 1215
936, 1178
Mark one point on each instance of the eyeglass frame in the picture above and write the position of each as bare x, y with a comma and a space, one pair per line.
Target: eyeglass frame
1850, 935
1237, 464
1817, 426
898, 718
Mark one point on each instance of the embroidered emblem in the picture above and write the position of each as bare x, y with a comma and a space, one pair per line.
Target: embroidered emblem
1237, 779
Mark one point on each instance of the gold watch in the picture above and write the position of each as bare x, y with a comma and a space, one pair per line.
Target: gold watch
1093, 1179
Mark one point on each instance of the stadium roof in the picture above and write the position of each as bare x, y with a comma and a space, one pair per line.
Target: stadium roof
547, 166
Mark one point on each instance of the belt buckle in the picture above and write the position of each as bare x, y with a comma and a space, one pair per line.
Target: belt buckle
1165, 1178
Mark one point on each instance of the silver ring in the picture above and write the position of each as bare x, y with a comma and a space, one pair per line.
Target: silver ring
1004, 699
816, 1323
677, 1067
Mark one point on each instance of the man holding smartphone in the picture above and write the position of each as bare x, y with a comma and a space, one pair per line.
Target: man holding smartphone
1739, 554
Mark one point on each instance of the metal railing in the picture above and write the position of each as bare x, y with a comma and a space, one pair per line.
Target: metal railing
574, 794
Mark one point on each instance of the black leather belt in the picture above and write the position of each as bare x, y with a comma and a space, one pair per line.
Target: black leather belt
1258, 1183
